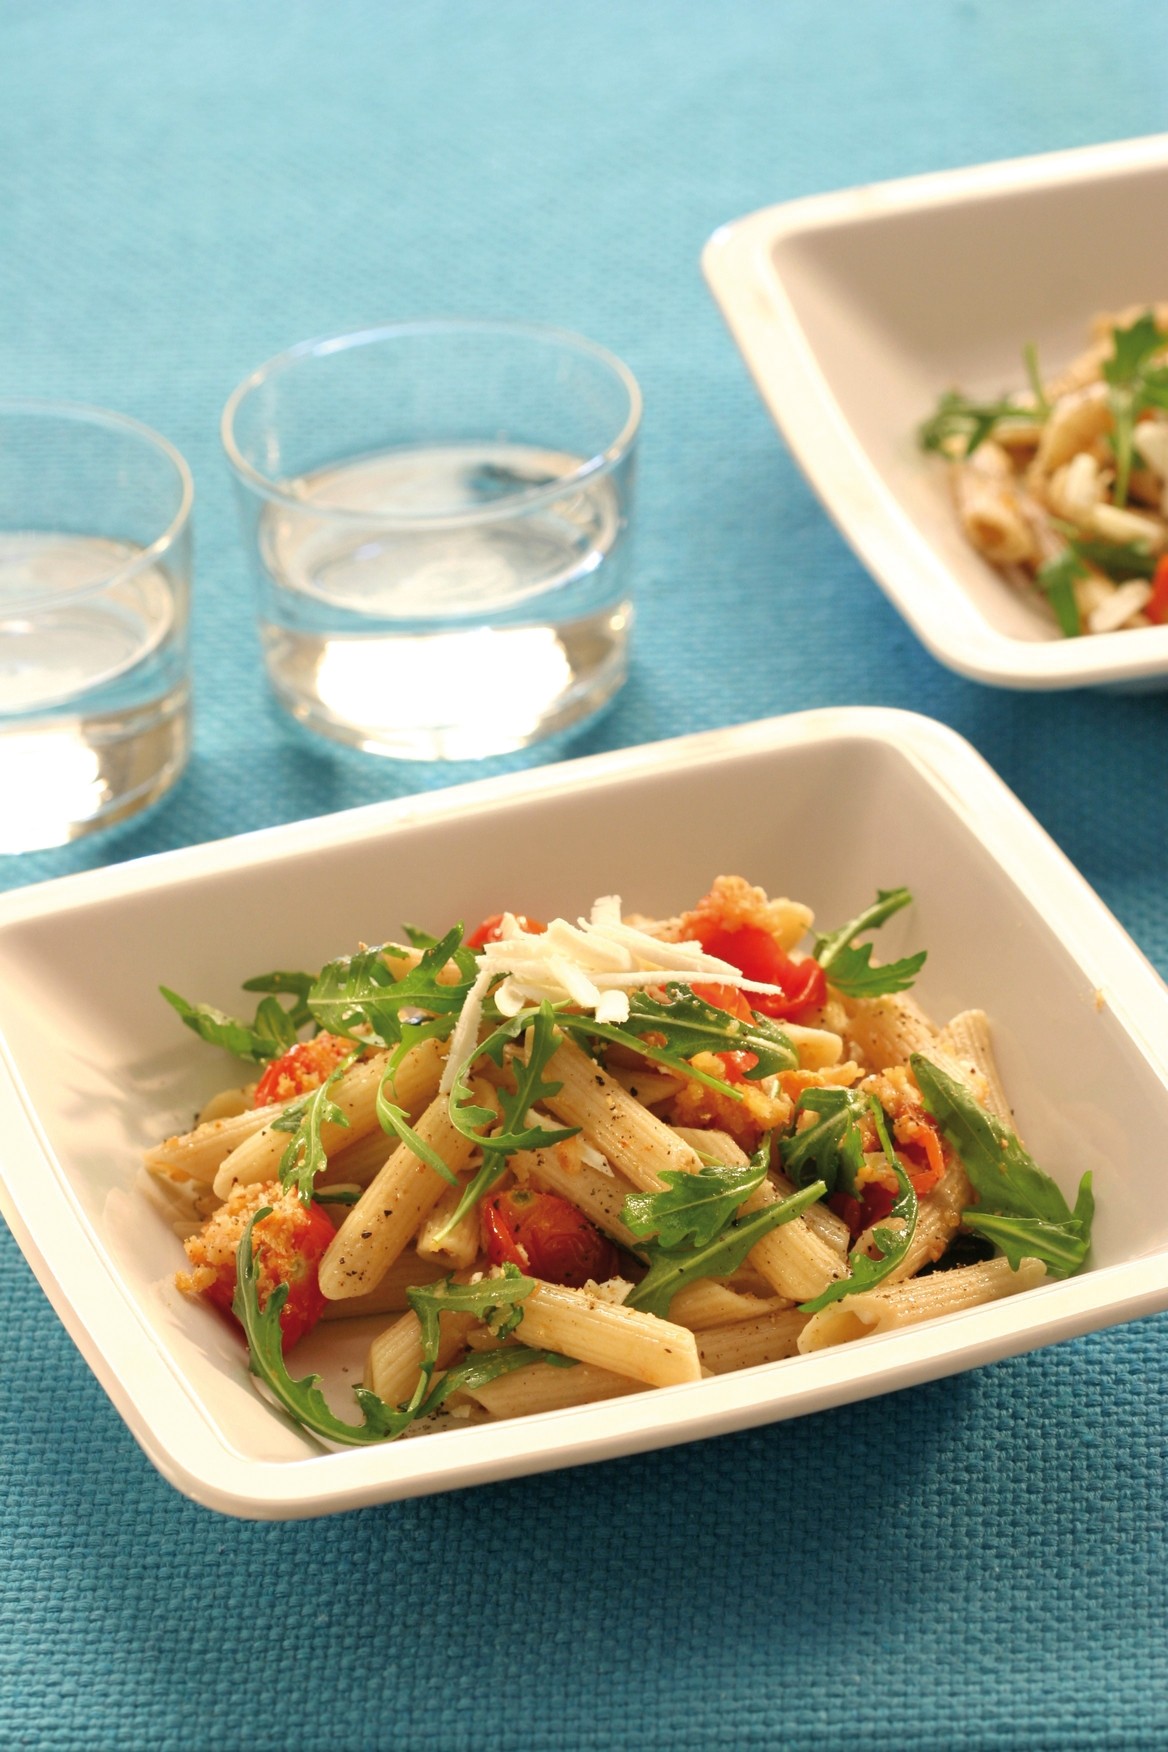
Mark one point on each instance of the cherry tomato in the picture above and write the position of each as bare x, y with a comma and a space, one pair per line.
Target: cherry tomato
301, 1068
491, 929
730, 999
547, 1236
860, 1214
1156, 607
755, 953
289, 1245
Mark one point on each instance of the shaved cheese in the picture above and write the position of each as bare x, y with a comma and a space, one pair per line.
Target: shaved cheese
592, 964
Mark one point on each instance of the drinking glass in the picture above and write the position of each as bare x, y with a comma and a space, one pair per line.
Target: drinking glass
437, 514
95, 568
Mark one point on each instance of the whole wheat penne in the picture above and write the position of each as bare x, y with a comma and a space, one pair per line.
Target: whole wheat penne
414, 1083
938, 1220
389, 1296
966, 1038
390, 1210
454, 1247
768, 1338
796, 1261
578, 1324
548, 1387
395, 1356
710, 1303
987, 504
633, 1139
903, 1304
201, 1152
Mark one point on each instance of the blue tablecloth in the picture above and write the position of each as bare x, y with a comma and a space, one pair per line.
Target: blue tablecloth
185, 189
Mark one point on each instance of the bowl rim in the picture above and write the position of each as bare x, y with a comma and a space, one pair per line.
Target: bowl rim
740, 270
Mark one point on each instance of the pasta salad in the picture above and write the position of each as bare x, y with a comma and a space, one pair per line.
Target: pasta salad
567, 1161
1063, 486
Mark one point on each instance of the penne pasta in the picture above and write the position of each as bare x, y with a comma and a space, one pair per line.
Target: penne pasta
390, 1210
609, 1336
557, 1220
904, 1304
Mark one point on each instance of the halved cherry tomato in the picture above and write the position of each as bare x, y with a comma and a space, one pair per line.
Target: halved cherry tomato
547, 1236
1156, 607
730, 999
288, 1245
922, 1155
491, 929
301, 1068
860, 1214
755, 953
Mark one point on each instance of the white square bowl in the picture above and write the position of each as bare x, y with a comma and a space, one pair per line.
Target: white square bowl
855, 310
826, 806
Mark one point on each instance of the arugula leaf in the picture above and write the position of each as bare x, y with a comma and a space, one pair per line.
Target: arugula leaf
304, 1401
1019, 1207
671, 1268
832, 1149
272, 1033
1057, 579
298, 1016
695, 1207
1034, 377
472, 1119
305, 1156
1133, 384
848, 966
688, 1025
1118, 560
360, 996
957, 416
396, 1120
891, 1244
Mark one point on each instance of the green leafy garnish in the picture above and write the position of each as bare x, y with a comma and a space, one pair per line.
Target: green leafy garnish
515, 1132
694, 1208
1019, 1208
1133, 384
832, 1149
360, 996
1117, 560
672, 1268
849, 967
891, 1244
396, 1120
305, 1156
492, 1299
687, 1025
957, 416
1057, 579
272, 1032
1034, 377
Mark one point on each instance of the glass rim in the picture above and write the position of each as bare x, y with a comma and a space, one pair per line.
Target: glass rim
88, 414
602, 462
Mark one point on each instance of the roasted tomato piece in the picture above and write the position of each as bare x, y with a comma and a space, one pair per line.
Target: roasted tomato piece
289, 1244
860, 1214
301, 1068
491, 929
547, 1236
755, 953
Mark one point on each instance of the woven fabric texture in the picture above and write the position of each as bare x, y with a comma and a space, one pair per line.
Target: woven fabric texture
184, 190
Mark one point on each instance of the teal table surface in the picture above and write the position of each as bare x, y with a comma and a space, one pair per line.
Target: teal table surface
184, 190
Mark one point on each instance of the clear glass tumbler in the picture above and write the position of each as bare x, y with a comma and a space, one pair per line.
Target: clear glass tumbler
95, 568
437, 514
